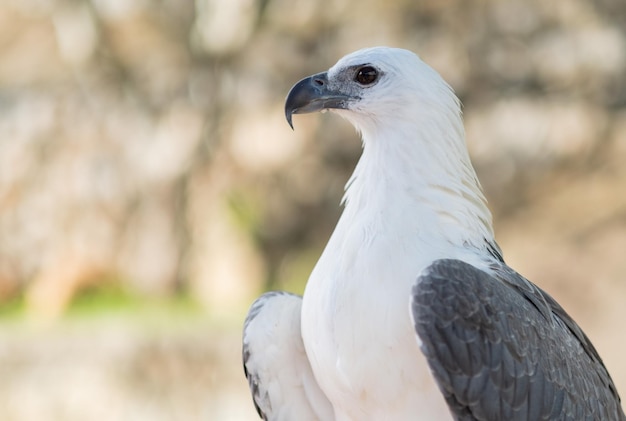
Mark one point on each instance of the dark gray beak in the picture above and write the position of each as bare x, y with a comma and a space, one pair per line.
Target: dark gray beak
313, 94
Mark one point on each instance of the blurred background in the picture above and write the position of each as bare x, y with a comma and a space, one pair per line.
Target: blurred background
150, 187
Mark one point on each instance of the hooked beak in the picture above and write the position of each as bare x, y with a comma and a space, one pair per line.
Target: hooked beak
313, 94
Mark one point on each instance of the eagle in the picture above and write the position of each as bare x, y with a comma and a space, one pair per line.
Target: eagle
411, 312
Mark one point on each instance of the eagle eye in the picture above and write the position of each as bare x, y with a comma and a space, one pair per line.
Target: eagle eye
366, 75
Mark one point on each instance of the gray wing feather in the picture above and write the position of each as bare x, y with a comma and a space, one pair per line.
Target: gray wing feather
502, 349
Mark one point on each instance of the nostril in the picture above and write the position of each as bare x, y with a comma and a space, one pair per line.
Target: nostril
318, 82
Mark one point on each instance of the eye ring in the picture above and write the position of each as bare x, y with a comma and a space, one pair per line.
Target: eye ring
366, 75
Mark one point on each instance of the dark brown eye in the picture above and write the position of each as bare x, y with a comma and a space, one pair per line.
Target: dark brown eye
366, 75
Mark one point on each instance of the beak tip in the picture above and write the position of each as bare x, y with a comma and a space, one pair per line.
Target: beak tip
288, 115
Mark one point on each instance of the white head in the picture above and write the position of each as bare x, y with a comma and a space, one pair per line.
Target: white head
412, 129
378, 86
401, 84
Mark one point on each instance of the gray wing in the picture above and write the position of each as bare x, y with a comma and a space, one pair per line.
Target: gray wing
502, 349
275, 363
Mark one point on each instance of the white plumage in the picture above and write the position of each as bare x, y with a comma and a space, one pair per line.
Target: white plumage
402, 211
284, 383
413, 200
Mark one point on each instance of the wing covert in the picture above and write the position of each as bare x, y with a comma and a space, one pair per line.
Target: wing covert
501, 348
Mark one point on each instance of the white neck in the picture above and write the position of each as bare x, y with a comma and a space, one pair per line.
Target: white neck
420, 171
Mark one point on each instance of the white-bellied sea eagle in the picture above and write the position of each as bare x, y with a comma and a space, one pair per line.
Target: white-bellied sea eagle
411, 312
